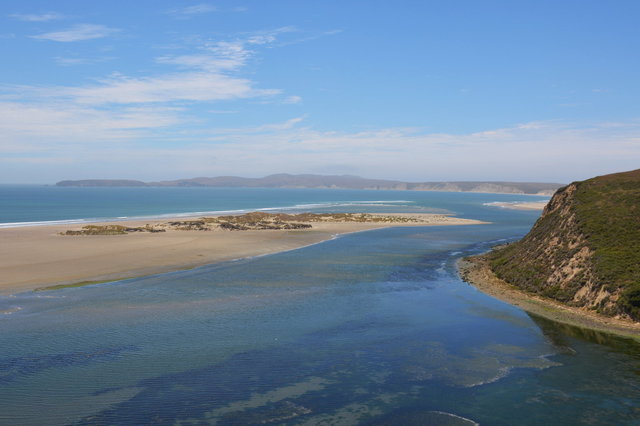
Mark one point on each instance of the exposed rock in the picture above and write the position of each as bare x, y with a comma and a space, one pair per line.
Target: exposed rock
585, 248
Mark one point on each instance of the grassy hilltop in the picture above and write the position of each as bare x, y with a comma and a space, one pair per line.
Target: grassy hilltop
585, 248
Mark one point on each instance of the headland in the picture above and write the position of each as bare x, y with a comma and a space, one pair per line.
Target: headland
476, 271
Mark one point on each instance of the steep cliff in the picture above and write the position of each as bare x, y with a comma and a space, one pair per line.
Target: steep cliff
585, 248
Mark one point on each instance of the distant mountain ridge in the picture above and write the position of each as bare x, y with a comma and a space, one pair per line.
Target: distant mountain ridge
284, 180
585, 248
101, 182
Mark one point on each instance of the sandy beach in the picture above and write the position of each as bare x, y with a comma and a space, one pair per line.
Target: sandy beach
475, 270
525, 205
39, 256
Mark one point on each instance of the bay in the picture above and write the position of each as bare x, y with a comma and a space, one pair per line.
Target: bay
369, 328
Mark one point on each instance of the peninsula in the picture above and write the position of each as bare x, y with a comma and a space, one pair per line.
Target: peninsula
284, 180
580, 262
49, 257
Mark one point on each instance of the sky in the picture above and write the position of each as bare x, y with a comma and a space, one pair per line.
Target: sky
421, 90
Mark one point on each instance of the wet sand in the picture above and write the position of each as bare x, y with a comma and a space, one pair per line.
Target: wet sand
38, 256
476, 271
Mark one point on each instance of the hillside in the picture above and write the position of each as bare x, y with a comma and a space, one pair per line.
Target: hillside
337, 182
101, 182
584, 250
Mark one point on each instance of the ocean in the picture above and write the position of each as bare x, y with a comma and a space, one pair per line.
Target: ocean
370, 328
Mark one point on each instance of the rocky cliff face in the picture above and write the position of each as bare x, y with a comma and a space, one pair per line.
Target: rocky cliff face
585, 248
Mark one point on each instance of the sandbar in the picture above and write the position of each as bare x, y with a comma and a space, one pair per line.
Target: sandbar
524, 205
37, 257
476, 271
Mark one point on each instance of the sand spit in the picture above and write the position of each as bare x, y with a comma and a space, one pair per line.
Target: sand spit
524, 205
40, 256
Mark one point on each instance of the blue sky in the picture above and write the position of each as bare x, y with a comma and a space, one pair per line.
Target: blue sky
410, 90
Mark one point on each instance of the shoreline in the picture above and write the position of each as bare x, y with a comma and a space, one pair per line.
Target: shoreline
187, 215
476, 272
37, 257
519, 205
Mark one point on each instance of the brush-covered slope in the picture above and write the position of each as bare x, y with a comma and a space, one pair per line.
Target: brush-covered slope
585, 248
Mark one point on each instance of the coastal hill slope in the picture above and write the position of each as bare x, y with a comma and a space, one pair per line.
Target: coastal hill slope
338, 182
584, 250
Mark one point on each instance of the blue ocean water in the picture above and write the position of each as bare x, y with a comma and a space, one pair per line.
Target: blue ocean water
37, 204
370, 328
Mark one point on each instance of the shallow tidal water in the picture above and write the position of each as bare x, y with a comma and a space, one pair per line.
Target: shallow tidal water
370, 328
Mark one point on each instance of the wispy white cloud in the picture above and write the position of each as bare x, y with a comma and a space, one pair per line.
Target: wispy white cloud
556, 151
292, 100
547, 151
37, 17
222, 111
194, 86
124, 109
118, 123
68, 61
189, 11
225, 55
207, 62
311, 37
289, 124
78, 32
26, 125
209, 75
